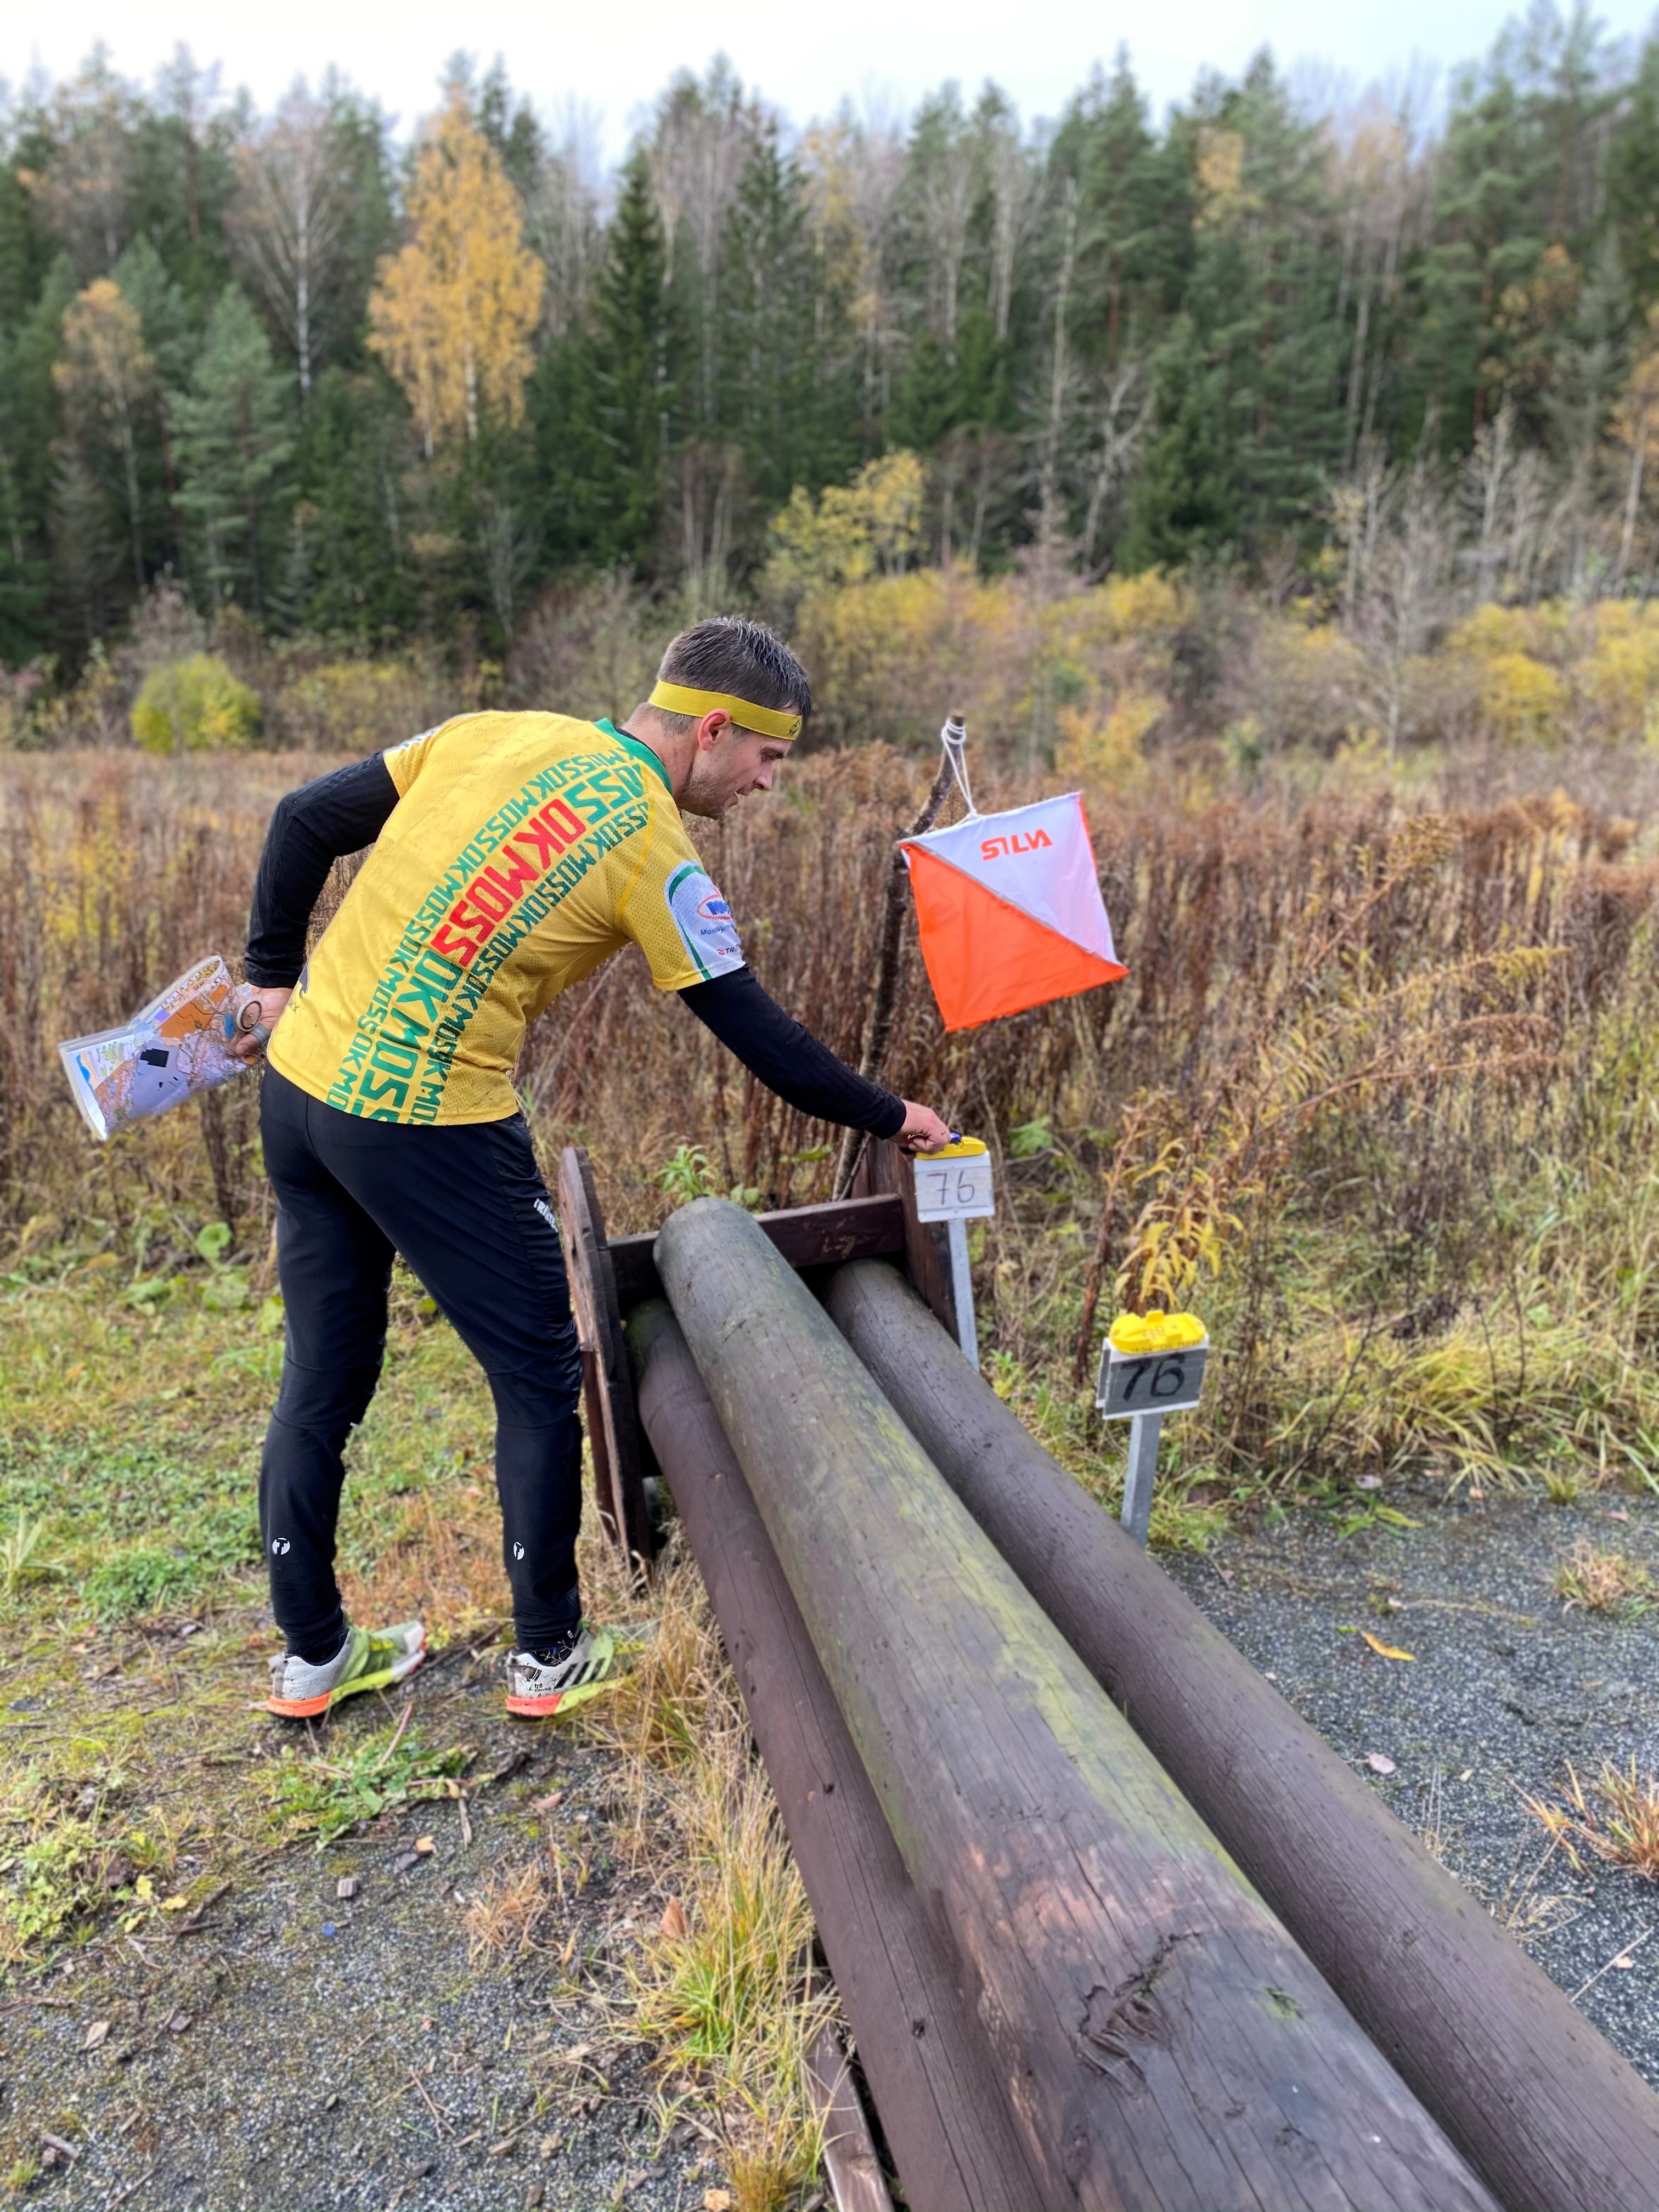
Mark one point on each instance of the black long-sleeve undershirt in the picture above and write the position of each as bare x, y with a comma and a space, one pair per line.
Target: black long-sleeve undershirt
341, 813
788, 1059
311, 829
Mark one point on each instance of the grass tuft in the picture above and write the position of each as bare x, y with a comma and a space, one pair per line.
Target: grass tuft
1592, 1580
1615, 1817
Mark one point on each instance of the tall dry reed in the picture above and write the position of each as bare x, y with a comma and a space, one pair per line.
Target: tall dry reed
1354, 1026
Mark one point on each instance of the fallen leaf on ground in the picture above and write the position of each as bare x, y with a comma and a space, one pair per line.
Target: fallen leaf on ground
716, 2200
1624, 1964
174, 1904
549, 1804
1379, 1762
1386, 1651
423, 1846
673, 1918
95, 2034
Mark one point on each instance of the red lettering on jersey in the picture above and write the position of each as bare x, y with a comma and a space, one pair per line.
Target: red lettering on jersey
453, 947
548, 833
523, 871
482, 899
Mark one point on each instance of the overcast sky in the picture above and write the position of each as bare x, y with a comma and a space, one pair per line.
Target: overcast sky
613, 57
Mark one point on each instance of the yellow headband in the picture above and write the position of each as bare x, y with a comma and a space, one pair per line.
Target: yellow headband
769, 721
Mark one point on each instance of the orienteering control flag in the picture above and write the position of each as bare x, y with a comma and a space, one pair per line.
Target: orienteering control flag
1010, 911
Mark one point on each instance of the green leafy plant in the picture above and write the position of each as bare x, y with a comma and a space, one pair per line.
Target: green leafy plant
686, 1176
325, 1797
1030, 1138
226, 1287
138, 1581
195, 705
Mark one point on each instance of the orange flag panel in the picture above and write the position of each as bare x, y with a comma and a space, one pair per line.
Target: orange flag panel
985, 957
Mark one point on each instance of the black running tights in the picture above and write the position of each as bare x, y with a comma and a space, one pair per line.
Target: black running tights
467, 1208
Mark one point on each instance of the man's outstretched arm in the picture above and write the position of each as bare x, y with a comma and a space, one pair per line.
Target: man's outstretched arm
311, 829
805, 1074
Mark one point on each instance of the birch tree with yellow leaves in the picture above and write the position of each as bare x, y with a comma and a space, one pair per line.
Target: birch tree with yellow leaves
454, 312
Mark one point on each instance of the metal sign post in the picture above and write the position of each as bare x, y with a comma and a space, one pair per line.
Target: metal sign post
1141, 1387
954, 1186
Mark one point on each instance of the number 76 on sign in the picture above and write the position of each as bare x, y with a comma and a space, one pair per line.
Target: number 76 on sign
1150, 1381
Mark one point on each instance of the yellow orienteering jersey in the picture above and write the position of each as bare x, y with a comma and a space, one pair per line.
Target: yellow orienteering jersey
523, 851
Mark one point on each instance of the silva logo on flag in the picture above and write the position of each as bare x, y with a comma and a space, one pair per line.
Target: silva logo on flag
704, 921
992, 848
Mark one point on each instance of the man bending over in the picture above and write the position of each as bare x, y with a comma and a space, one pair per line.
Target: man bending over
512, 854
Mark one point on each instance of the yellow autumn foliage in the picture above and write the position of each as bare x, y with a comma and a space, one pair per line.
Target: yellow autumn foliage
1106, 755
454, 311
849, 531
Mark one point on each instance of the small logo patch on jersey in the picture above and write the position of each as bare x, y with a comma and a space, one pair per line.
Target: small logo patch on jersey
704, 921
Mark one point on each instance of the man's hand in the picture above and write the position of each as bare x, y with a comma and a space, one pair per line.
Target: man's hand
270, 1000
923, 1131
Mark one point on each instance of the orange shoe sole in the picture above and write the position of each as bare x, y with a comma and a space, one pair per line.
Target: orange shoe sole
535, 1709
298, 1709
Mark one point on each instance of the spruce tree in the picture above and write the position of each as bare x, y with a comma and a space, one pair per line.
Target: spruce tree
235, 440
633, 396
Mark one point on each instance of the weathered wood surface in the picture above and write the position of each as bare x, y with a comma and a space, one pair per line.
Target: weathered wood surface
856, 2181
884, 1168
942, 2107
1166, 2046
612, 1424
1542, 2104
808, 1235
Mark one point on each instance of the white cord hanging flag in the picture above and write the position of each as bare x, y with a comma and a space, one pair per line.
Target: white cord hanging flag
1009, 909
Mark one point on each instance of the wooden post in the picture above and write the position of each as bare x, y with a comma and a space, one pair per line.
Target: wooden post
883, 1168
1166, 2046
1540, 2103
942, 2107
612, 1425
849, 2151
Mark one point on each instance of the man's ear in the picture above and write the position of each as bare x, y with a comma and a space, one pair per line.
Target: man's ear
711, 729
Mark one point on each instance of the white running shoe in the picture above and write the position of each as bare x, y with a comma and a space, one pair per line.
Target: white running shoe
369, 1659
578, 1667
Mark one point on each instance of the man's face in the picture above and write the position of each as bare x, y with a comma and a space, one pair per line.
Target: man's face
729, 764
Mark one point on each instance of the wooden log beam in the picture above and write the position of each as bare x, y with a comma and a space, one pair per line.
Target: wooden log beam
1540, 2103
1166, 2046
942, 2108
808, 1235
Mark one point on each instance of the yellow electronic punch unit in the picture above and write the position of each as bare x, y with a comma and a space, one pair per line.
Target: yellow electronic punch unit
1150, 1364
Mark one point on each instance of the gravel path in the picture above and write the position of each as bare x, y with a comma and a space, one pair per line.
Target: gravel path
1502, 1690
301, 2053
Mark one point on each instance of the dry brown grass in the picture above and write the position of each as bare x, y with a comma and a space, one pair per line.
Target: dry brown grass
1614, 1817
1351, 1031
442, 1565
1593, 1580
504, 1915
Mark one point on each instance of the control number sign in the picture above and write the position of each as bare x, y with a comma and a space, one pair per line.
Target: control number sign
1151, 1382
955, 1186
